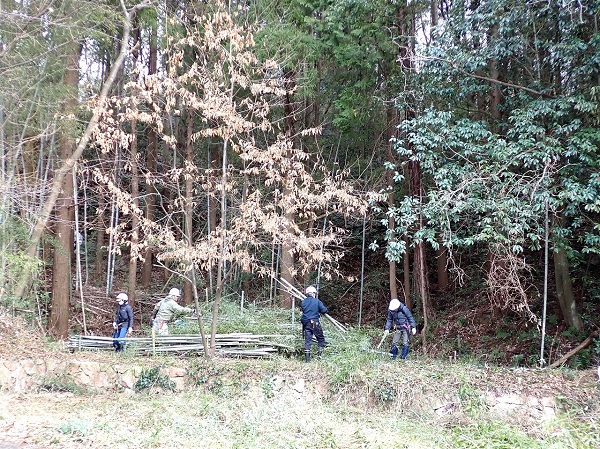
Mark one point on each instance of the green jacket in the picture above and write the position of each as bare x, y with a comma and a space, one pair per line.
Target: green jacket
165, 309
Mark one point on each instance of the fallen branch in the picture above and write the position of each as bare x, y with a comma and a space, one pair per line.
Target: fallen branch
574, 351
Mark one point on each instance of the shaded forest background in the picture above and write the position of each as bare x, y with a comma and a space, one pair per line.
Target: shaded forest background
442, 152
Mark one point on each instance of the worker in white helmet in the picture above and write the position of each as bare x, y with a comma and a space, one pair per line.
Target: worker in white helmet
123, 322
401, 321
165, 309
312, 308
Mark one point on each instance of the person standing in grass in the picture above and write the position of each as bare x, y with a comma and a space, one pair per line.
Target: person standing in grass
123, 322
401, 321
312, 307
164, 310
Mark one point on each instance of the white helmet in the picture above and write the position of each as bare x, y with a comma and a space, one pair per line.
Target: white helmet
174, 292
122, 297
311, 289
394, 304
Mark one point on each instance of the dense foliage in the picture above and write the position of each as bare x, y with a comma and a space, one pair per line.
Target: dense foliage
239, 143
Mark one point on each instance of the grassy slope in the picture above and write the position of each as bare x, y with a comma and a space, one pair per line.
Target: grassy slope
352, 398
287, 404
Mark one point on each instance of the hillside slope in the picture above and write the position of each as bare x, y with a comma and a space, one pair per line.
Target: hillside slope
350, 399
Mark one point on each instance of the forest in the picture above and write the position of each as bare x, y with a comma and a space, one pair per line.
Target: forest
444, 152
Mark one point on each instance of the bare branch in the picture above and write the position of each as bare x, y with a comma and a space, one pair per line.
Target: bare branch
489, 80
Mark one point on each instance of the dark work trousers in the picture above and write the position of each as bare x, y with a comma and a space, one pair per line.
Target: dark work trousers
313, 327
120, 333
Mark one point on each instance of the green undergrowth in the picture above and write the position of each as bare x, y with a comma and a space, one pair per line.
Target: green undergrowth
273, 323
153, 378
63, 383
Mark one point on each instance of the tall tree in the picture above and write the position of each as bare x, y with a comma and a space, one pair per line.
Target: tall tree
226, 89
58, 323
61, 31
490, 175
135, 190
151, 156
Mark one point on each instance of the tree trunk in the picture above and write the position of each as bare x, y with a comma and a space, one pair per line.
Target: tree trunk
390, 131
420, 276
151, 164
133, 254
189, 199
213, 204
317, 102
135, 190
441, 253
422, 288
435, 4
216, 304
221, 259
406, 260
494, 74
287, 252
479, 98
58, 323
564, 289
406, 266
100, 237
441, 256
287, 274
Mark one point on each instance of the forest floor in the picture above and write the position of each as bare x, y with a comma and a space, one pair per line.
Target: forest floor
342, 401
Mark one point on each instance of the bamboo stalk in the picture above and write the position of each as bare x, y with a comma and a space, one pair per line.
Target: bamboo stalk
295, 292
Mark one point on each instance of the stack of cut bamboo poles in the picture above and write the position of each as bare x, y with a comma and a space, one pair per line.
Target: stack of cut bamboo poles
227, 345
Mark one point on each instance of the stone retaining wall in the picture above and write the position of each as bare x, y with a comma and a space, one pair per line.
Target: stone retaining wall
23, 375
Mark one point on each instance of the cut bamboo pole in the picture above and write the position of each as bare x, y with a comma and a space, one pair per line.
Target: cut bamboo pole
296, 293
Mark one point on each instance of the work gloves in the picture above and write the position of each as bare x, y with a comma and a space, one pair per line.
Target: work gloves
130, 330
413, 330
114, 325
